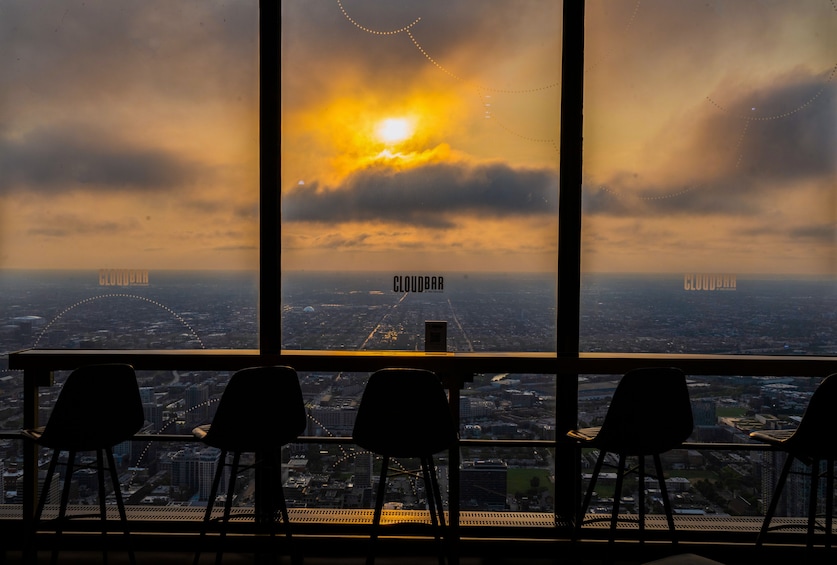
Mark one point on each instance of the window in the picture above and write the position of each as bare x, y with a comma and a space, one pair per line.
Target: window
419, 182
129, 214
419, 174
709, 217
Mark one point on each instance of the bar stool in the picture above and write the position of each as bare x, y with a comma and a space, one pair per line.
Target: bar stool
405, 413
98, 407
260, 411
649, 414
811, 443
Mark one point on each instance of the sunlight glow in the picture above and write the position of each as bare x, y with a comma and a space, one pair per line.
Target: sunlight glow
394, 130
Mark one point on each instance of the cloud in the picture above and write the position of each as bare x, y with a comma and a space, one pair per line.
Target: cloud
172, 49
821, 233
55, 158
736, 156
431, 195
70, 225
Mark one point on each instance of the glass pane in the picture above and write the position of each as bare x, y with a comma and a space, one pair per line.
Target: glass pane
494, 476
419, 173
709, 206
129, 186
128, 197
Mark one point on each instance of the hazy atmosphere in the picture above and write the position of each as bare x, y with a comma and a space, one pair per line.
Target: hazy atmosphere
419, 135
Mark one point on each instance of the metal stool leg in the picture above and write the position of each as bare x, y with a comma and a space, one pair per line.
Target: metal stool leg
100, 479
227, 505
775, 501
666, 502
213, 493
120, 504
641, 495
31, 547
588, 495
437, 520
379, 505
829, 499
62, 508
812, 502
617, 497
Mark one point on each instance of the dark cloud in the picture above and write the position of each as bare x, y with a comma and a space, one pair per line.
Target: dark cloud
53, 53
823, 233
791, 129
742, 154
236, 248
431, 195
57, 158
71, 225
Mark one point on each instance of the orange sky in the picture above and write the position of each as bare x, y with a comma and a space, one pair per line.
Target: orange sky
128, 135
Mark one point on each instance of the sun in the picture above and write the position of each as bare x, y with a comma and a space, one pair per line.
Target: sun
394, 130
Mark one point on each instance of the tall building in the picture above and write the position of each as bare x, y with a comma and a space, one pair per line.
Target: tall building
193, 468
483, 484
197, 404
363, 470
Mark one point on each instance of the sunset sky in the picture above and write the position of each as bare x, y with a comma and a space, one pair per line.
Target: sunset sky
419, 136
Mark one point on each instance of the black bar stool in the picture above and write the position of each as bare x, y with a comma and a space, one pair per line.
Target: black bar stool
405, 413
649, 414
812, 443
98, 407
260, 411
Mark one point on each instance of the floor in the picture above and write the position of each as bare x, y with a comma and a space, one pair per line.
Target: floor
157, 558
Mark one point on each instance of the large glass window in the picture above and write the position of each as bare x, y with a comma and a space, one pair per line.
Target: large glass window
128, 194
709, 218
129, 184
709, 159
419, 173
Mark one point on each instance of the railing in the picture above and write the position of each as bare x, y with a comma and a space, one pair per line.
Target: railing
455, 369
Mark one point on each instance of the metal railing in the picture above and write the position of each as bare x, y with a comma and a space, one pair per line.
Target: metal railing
455, 369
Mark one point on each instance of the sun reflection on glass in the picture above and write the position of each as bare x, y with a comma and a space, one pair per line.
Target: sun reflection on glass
394, 130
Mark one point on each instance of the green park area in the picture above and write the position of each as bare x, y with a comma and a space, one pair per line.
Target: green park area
523, 480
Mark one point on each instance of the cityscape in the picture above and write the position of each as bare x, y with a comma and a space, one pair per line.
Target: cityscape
676, 313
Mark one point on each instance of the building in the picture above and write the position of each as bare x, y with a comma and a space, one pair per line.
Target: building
484, 484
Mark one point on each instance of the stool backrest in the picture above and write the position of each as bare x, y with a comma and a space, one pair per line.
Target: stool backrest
99, 406
816, 435
649, 413
404, 413
261, 409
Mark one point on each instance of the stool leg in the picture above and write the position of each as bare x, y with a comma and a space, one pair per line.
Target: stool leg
641, 494
120, 504
213, 492
65, 499
829, 499
437, 493
228, 504
617, 497
588, 495
31, 549
812, 501
279, 495
430, 491
100, 479
775, 501
664, 492
379, 505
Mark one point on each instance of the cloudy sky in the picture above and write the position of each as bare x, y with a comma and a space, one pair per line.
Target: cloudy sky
419, 135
